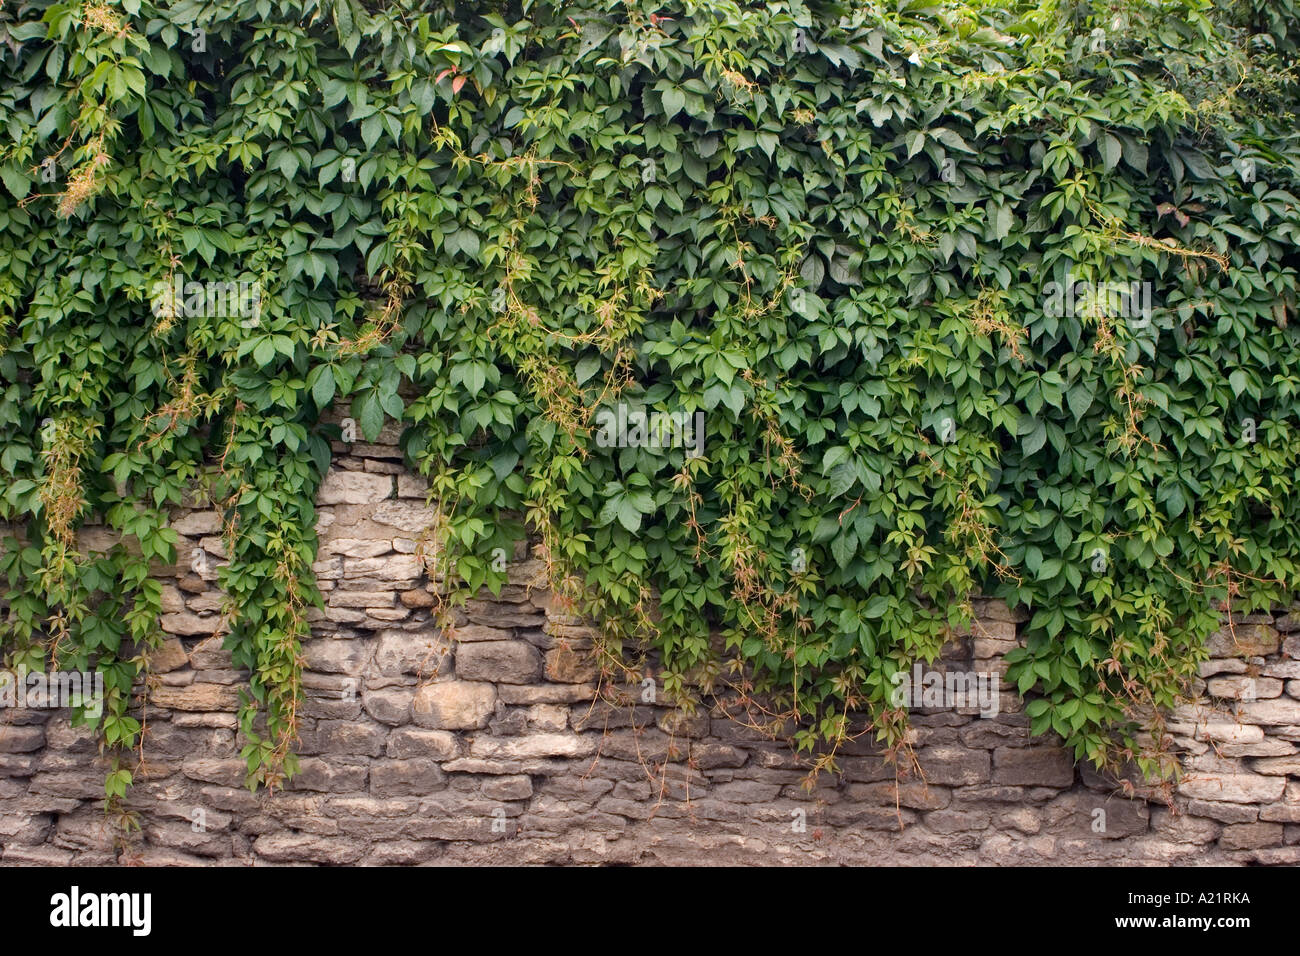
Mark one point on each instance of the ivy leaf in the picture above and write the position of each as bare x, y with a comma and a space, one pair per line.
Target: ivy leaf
812, 271
587, 366
674, 100
841, 479
915, 141
264, 351
844, 548
370, 416
1079, 398
1135, 153
17, 182
1111, 150
1002, 221
1036, 438
628, 515
876, 607
322, 390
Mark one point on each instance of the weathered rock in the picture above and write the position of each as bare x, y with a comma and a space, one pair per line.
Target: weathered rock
197, 523
1286, 670
954, 766
1280, 712
403, 652
1244, 640
169, 657
566, 665
303, 847
379, 616
1221, 665
21, 740
516, 787
356, 547
329, 776
395, 778
1265, 748
1094, 816
412, 486
454, 705
546, 693
708, 755
503, 662
418, 742
1183, 828
1244, 688
472, 633
189, 625
344, 736
915, 796
1287, 811
1036, 766
335, 656
1277, 765
1249, 836
534, 745
1233, 787
363, 599
389, 705
679, 723
404, 515
354, 488
228, 772
197, 697
416, 599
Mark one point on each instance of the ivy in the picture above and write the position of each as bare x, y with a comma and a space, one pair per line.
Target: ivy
963, 300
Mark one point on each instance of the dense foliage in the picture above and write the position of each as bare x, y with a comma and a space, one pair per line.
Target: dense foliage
831, 228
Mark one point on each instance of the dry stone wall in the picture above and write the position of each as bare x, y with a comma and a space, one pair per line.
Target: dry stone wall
496, 743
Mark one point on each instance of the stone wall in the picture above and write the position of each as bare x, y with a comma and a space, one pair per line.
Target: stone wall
494, 744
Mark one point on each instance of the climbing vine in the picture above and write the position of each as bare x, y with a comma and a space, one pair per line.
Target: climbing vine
919, 301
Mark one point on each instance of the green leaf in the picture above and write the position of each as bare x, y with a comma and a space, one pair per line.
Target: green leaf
587, 366
17, 182
1079, 398
876, 607
915, 141
370, 416
628, 515
264, 352
1111, 150
674, 100
841, 479
322, 391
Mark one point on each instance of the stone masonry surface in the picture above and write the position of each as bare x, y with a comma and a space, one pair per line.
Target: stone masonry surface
491, 745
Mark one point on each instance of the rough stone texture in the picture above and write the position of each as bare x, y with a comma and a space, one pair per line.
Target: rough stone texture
507, 662
1244, 640
455, 705
354, 488
493, 742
